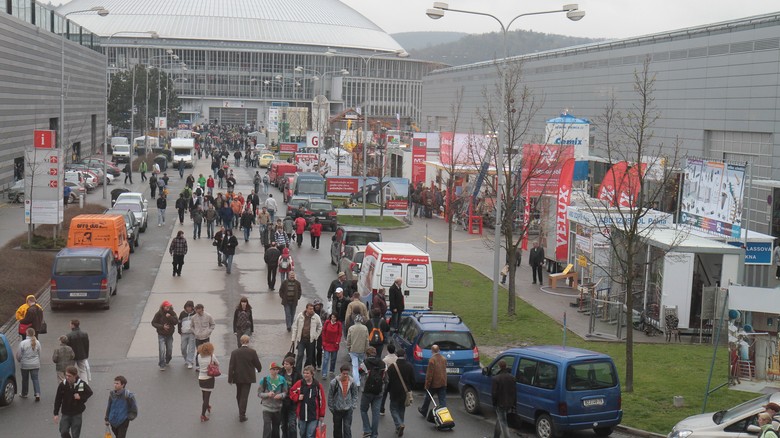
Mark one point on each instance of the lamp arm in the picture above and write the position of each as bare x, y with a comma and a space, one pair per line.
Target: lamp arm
530, 13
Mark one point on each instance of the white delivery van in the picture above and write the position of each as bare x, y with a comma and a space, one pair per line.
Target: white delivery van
182, 148
383, 262
144, 144
120, 150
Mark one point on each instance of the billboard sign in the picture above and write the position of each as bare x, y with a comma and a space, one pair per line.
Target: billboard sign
713, 196
568, 130
419, 155
43, 183
756, 253
542, 165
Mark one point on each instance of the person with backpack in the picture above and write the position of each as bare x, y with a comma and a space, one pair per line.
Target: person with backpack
372, 393
305, 331
243, 322
309, 398
377, 331
286, 264
342, 401
290, 292
280, 237
272, 392
122, 408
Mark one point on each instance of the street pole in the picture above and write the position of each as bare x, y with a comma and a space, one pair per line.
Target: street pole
365, 133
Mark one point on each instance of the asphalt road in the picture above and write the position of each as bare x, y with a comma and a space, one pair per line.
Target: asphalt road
123, 341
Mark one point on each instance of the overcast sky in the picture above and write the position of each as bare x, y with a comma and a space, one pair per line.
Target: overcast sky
604, 19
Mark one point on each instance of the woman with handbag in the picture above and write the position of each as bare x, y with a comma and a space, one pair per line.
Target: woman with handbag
30, 314
29, 358
206, 376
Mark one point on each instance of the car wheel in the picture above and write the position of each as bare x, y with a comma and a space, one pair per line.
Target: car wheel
603, 431
545, 428
135, 242
132, 246
143, 229
471, 400
119, 272
127, 264
8, 393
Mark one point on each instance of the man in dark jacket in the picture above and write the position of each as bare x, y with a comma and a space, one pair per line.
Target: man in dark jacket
178, 250
165, 322
536, 260
396, 303
181, 207
341, 282
372, 397
229, 244
504, 398
72, 394
340, 303
271, 259
244, 363
79, 342
290, 292
399, 382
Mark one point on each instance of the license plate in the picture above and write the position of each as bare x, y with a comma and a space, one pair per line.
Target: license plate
593, 402
78, 294
453, 370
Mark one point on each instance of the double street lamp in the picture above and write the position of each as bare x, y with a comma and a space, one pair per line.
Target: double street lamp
573, 13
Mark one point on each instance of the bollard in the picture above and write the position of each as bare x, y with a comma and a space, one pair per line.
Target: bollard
81, 200
678, 401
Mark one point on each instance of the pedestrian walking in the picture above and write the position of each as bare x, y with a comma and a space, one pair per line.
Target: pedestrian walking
306, 328
372, 393
319, 310
79, 342
399, 383
270, 205
244, 363
339, 307
162, 204
243, 322
202, 326
504, 396
263, 221
272, 391
202, 182
181, 207
178, 249
266, 184
536, 260
246, 221
188, 347
300, 227
217, 242
356, 307
181, 168
197, 220
122, 408
310, 401
63, 357
286, 264
128, 171
377, 330
210, 216
29, 357
290, 292
229, 244
357, 343
389, 360
289, 419
206, 356
331, 339
343, 397
256, 181
315, 231
71, 399
271, 258
280, 237
164, 322
210, 185
435, 380
153, 185
143, 169
288, 224
29, 314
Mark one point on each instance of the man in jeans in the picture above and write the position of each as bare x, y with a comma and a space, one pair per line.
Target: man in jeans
372, 393
187, 336
504, 398
342, 401
165, 321
72, 394
290, 292
202, 326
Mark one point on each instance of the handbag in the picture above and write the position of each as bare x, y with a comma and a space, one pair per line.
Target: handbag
23, 328
44, 328
409, 394
291, 352
212, 370
321, 431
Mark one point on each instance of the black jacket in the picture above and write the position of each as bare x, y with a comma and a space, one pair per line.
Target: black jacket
336, 284
271, 257
394, 387
536, 256
396, 299
340, 307
181, 203
162, 203
504, 391
79, 342
65, 400
229, 245
382, 325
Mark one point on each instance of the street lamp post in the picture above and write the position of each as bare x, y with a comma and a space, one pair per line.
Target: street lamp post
572, 13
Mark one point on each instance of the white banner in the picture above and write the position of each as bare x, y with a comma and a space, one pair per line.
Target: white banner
43, 186
312, 139
273, 119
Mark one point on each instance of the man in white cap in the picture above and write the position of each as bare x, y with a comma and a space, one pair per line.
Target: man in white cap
340, 282
339, 307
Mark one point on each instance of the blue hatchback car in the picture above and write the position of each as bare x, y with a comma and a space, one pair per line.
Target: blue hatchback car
558, 389
7, 372
418, 331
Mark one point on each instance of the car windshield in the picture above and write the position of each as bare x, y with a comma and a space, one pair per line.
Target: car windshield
296, 202
312, 186
590, 375
121, 148
447, 340
132, 206
739, 411
74, 266
362, 238
320, 206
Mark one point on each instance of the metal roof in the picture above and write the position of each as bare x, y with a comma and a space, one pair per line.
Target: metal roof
326, 23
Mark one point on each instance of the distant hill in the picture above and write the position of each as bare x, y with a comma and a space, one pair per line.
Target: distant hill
421, 40
470, 48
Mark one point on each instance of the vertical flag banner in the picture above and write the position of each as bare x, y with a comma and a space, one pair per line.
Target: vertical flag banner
611, 182
419, 155
446, 140
561, 218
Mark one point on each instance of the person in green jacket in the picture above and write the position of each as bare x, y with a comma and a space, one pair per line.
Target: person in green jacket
142, 168
765, 423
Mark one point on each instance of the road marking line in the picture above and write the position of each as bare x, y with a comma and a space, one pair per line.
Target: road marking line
454, 241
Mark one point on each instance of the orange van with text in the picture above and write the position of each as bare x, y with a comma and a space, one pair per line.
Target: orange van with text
101, 230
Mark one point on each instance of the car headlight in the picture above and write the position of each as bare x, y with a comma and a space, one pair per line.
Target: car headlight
680, 433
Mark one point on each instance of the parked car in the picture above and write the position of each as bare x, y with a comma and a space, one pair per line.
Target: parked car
350, 263
265, 160
133, 195
132, 225
83, 275
137, 207
295, 202
16, 192
418, 331
7, 372
559, 389
323, 210
739, 421
346, 235
98, 162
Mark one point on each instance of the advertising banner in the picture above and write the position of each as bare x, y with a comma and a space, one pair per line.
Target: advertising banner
561, 218
312, 139
611, 182
394, 191
306, 162
347, 185
712, 196
273, 119
446, 140
568, 130
628, 192
419, 155
542, 167
756, 253
288, 148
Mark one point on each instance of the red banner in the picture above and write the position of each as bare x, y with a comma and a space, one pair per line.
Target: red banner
542, 167
288, 148
419, 155
341, 185
526, 219
628, 191
397, 204
446, 141
561, 217
612, 181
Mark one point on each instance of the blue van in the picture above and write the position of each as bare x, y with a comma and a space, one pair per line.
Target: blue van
83, 275
558, 389
7, 372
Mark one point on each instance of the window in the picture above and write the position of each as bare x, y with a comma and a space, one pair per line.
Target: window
416, 276
546, 375
510, 362
447, 340
526, 371
590, 375
78, 266
3, 352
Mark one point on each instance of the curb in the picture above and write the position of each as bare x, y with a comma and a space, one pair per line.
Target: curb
638, 432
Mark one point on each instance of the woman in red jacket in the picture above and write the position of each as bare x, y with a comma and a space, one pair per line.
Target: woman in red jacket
331, 337
309, 399
316, 231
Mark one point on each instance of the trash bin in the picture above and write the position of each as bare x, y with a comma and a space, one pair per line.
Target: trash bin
162, 161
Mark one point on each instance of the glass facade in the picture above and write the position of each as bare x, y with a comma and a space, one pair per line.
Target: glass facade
44, 17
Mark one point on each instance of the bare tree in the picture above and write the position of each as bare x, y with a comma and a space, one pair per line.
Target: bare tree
651, 168
451, 170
